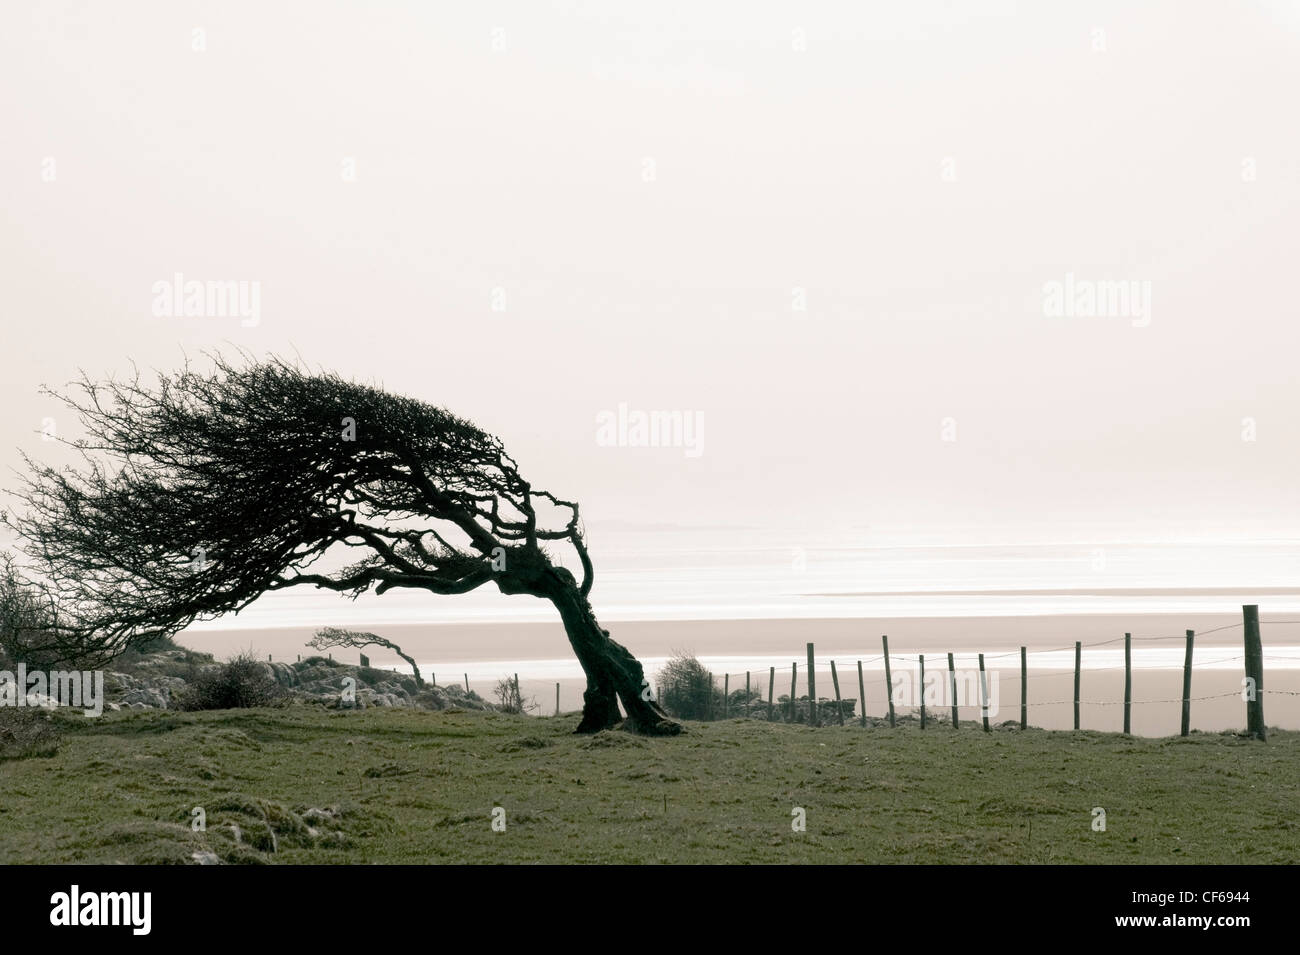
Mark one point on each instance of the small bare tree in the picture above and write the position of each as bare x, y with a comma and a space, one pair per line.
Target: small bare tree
508, 696
337, 637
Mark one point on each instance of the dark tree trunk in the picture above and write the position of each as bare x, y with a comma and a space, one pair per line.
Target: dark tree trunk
613, 674
415, 667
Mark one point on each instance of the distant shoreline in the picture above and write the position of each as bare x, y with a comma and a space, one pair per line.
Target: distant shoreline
479, 640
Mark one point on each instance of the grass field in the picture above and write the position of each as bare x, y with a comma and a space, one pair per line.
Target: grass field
306, 785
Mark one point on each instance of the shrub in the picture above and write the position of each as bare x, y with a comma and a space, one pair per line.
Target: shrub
739, 699
241, 682
144, 648
687, 690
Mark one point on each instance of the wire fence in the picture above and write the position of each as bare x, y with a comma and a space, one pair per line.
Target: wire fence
893, 688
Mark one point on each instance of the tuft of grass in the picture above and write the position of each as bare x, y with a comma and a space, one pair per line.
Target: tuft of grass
27, 733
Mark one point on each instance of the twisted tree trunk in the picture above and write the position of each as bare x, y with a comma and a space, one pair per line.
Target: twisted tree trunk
613, 674
415, 667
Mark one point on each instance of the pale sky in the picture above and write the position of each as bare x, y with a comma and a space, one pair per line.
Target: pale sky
534, 213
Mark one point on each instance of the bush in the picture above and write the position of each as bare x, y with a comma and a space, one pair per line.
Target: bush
241, 682
687, 690
739, 699
143, 648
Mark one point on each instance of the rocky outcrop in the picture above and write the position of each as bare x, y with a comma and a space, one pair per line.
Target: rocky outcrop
142, 690
154, 683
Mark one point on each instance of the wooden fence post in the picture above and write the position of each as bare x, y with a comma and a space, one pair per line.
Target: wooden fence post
746, 685
984, 695
467, 683
1255, 671
952, 688
1024, 691
794, 680
1187, 685
726, 695
1128, 682
921, 657
712, 687
771, 690
812, 688
839, 708
557, 699
1078, 656
889, 683
862, 697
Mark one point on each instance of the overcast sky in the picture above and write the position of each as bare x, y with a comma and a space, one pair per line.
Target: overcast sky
824, 233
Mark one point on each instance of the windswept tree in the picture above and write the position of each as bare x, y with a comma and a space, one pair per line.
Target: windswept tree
205, 490
334, 638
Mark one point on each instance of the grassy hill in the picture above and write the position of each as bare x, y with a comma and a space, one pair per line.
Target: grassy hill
306, 785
